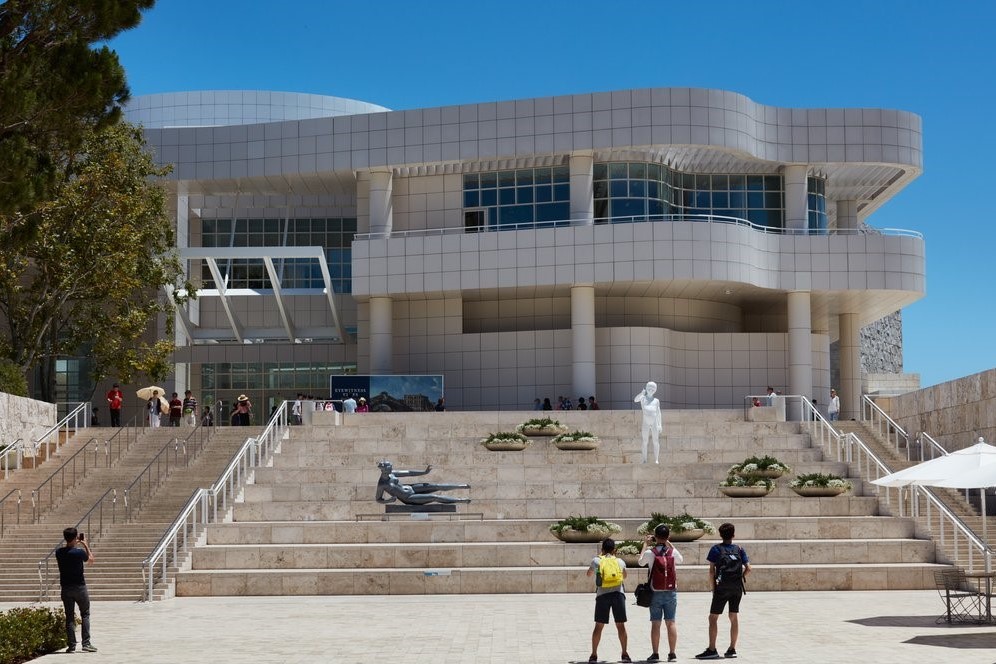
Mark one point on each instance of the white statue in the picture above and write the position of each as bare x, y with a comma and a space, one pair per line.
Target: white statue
651, 420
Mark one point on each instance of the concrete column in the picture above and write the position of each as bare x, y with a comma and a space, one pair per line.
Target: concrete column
381, 340
847, 216
583, 341
381, 207
796, 198
849, 389
800, 347
582, 189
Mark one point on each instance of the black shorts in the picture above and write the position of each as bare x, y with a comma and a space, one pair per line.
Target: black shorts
616, 602
723, 594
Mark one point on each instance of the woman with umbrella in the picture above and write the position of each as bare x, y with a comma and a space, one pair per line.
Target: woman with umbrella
243, 410
153, 408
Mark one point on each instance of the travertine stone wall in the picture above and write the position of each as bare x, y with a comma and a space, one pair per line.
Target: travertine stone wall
955, 413
24, 418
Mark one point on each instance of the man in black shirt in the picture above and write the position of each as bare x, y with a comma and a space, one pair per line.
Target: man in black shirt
71, 558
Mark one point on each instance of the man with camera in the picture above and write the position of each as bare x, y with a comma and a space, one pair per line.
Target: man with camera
71, 559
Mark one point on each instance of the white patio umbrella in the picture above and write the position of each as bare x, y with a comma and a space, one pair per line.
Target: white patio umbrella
971, 468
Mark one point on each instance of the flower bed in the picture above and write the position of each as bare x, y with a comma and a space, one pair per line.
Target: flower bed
767, 467
541, 427
684, 527
583, 529
819, 485
739, 486
505, 441
576, 440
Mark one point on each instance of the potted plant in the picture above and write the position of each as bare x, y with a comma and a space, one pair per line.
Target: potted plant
765, 466
684, 527
541, 426
819, 484
583, 529
576, 440
629, 551
505, 441
738, 486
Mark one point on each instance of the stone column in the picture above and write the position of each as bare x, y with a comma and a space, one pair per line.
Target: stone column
381, 208
847, 215
796, 198
582, 189
849, 389
381, 339
800, 347
583, 341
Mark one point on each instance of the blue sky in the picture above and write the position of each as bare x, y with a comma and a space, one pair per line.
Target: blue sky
935, 59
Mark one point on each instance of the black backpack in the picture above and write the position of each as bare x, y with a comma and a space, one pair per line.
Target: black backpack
730, 566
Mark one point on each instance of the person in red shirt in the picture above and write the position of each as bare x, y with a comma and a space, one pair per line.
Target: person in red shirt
175, 410
114, 400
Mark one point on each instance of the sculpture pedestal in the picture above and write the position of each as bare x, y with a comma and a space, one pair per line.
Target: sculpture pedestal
419, 509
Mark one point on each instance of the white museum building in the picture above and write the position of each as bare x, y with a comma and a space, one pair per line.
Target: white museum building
576, 245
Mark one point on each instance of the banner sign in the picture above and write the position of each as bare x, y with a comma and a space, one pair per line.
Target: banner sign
390, 394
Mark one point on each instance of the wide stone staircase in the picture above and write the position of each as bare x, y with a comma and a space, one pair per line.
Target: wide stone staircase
128, 536
309, 523
953, 499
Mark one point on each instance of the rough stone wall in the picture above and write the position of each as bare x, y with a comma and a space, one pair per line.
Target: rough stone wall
881, 348
24, 418
955, 413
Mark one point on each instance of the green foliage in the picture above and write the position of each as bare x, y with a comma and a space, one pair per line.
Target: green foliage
677, 524
753, 464
55, 86
12, 380
820, 480
29, 632
539, 423
746, 480
575, 435
629, 547
585, 524
92, 274
501, 436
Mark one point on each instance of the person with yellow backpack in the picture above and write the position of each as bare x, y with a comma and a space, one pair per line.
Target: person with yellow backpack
609, 572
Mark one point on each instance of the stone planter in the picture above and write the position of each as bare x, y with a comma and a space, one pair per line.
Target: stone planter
819, 491
689, 535
630, 559
506, 445
576, 537
745, 491
576, 445
764, 474
542, 431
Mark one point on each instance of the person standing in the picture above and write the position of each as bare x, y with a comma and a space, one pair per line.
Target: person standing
349, 404
546, 404
361, 406
175, 410
769, 398
833, 410
592, 404
441, 405
207, 419
609, 572
189, 408
728, 569
243, 411
661, 557
581, 404
537, 404
71, 559
297, 410
115, 397
152, 407
652, 424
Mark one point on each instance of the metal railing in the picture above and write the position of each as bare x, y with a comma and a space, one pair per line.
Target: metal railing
16, 451
851, 449
152, 476
885, 426
697, 218
78, 418
93, 524
203, 506
4, 506
68, 475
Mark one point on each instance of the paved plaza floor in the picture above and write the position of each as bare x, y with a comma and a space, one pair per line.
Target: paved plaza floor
807, 627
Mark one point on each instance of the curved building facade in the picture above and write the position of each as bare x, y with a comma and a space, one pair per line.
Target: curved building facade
577, 245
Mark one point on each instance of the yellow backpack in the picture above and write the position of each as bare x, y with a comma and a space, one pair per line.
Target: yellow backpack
610, 572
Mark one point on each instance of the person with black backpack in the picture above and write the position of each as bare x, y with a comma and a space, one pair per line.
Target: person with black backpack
728, 570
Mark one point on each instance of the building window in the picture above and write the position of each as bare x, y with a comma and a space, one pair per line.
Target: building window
630, 191
817, 204
528, 196
334, 235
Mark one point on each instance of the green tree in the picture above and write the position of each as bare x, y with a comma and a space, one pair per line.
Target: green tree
54, 87
93, 273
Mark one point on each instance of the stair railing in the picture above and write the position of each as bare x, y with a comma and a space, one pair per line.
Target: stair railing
851, 449
13, 451
93, 524
152, 476
924, 441
78, 418
203, 506
885, 426
16, 502
68, 475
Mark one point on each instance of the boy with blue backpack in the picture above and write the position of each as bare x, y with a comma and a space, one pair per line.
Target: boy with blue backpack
728, 568
609, 572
